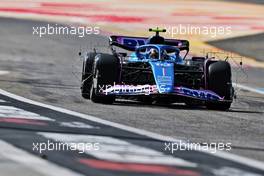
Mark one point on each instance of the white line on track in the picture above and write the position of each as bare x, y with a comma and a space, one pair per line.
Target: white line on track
33, 162
13, 112
248, 88
4, 72
2, 101
231, 157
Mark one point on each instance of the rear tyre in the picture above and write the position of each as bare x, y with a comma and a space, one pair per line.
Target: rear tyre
106, 71
87, 75
219, 81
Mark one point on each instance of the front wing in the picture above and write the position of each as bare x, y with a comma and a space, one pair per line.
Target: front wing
149, 90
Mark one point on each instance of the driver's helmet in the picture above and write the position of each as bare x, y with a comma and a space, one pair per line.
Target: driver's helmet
153, 53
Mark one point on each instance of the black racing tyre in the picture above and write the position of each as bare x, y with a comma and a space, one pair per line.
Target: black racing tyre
145, 100
219, 81
219, 106
87, 71
193, 104
163, 101
106, 72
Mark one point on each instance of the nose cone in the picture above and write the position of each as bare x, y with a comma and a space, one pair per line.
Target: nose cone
164, 75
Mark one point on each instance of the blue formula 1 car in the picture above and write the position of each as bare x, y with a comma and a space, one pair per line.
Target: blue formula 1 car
155, 69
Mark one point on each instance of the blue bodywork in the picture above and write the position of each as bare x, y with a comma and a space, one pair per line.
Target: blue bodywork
163, 71
162, 68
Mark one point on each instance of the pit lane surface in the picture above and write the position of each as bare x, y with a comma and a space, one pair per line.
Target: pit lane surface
48, 70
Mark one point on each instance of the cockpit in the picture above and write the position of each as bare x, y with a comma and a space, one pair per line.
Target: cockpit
158, 52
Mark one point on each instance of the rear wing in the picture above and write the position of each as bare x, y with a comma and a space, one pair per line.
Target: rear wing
131, 43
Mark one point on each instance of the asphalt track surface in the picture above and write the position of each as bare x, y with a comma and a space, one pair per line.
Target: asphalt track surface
47, 70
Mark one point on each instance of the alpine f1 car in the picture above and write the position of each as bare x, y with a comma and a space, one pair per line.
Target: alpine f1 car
154, 69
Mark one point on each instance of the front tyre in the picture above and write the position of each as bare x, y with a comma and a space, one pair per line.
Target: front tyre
219, 81
219, 106
106, 71
87, 74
